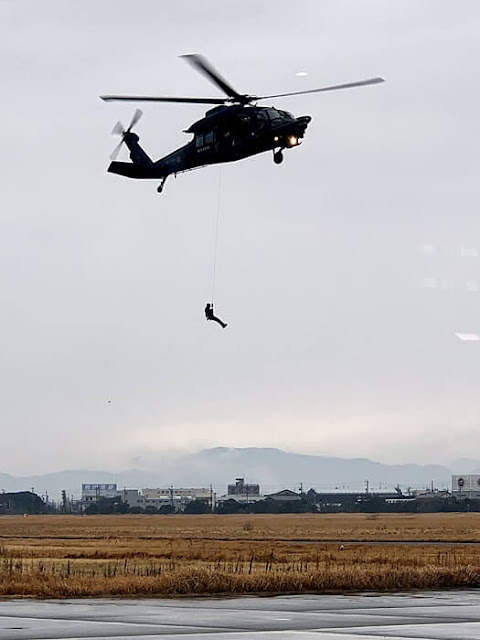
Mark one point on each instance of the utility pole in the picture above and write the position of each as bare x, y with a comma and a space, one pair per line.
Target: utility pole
366, 487
64, 501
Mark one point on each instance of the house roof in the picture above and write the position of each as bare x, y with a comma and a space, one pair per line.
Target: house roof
285, 494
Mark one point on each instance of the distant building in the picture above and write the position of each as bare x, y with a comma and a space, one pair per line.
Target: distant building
93, 492
21, 502
428, 494
286, 495
349, 502
149, 497
177, 498
242, 489
132, 497
242, 492
466, 486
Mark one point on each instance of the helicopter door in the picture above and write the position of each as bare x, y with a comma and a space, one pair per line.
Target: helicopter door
224, 137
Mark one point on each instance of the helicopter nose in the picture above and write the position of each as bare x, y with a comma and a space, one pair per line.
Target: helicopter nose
302, 124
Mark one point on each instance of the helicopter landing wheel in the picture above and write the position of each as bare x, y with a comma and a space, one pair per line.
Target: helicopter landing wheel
160, 186
278, 157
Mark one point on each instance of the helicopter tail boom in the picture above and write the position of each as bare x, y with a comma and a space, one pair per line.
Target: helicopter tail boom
141, 165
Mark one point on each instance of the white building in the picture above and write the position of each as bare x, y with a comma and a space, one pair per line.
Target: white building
241, 488
466, 486
93, 492
242, 492
132, 497
178, 498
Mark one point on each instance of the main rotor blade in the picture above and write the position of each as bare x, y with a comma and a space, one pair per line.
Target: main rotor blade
205, 68
164, 99
360, 83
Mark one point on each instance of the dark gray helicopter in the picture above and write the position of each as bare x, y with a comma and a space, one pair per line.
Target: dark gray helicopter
235, 129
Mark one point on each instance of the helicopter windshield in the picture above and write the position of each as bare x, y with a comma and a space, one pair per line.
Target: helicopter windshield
275, 116
261, 119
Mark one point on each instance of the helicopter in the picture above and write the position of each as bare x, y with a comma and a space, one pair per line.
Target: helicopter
234, 129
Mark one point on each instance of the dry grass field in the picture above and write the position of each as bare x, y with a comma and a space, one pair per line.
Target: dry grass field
68, 556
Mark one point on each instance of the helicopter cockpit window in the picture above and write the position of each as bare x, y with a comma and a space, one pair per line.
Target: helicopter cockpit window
261, 119
209, 137
199, 140
287, 115
274, 116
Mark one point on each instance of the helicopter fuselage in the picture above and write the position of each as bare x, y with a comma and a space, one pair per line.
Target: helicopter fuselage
225, 134
237, 128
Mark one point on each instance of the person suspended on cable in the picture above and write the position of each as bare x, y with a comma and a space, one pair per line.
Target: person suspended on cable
210, 315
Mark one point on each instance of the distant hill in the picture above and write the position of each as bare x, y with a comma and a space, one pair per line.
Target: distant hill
71, 481
273, 469
465, 465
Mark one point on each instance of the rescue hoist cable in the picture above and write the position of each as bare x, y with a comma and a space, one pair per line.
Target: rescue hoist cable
216, 226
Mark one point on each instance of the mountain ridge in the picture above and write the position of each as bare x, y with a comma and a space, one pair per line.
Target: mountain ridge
272, 468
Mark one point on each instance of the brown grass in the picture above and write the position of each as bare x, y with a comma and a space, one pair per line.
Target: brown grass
65, 556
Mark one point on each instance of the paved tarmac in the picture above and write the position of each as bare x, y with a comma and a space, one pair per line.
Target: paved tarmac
448, 615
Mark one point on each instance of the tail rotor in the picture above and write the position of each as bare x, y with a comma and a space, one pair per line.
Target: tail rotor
119, 130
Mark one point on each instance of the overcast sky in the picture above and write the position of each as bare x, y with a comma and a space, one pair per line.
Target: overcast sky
344, 274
